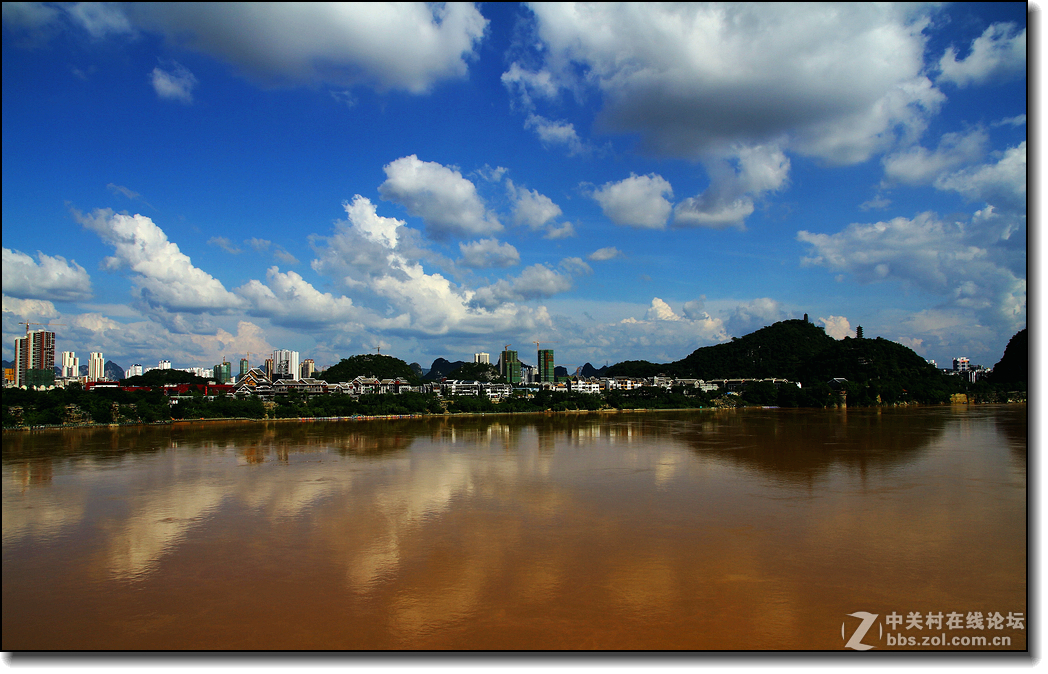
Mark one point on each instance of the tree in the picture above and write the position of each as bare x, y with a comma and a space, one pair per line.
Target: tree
370, 365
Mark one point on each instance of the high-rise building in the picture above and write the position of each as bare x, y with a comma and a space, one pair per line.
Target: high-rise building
96, 367
244, 366
509, 367
223, 372
961, 364
545, 366
285, 364
134, 371
70, 365
35, 358
482, 358
269, 369
164, 365
308, 368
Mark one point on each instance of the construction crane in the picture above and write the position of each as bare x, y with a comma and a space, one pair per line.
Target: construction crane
27, 324
537, 348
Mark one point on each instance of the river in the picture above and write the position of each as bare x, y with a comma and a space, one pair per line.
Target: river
725, 530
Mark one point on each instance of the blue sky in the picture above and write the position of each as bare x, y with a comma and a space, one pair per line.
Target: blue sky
192, 182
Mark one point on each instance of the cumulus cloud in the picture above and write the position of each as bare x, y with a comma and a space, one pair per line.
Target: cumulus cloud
753, 315
918, 165
1002, 184
837, 327
535, 282
734, 184
602, 254
637, 201
16, 307
999, 53
964, 263
660, 311
48, 277
376, 259
446, 202
691, 79
528, 85
288, 299
552, 133
176, 84
487, 253
409, 46
165, 277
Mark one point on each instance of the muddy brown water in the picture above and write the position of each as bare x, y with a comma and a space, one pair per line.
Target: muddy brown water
737, 530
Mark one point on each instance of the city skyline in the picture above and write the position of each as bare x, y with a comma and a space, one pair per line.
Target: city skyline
622, 182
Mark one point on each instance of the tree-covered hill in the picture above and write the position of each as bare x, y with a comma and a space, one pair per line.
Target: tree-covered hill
778, 350
161, 377
1014, 366
370, 365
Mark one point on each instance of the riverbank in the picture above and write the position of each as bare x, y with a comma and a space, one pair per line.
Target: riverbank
390, 417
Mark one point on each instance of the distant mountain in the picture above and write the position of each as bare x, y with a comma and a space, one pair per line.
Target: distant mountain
1014, 366
476, 372
590, 371
442, 368
112, 371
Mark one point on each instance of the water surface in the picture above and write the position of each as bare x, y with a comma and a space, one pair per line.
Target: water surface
757, 529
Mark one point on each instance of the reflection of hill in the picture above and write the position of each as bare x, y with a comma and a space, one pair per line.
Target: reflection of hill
799, 446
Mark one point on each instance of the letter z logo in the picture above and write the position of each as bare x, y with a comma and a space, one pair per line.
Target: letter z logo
855, 642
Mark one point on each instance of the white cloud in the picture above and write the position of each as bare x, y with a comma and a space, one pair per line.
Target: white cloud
637, 201
15, 307
1002, 184
918, 165
288, 299
840, 81
999, 53
487, 253
552, 132
531, 208
409, 46
446, 202
224, 243
602, 254
734, 183
660, 311
969, 265
165, 277
100, 19
175, 85
561, 231
534, 282
527, 84
753, 315
53, 278
837, 327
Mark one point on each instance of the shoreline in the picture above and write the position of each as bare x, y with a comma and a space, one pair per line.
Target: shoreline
392, 417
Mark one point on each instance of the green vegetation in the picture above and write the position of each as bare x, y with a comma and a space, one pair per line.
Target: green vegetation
162, 377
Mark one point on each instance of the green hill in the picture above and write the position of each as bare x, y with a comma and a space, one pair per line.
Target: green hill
370, 365
1014, 366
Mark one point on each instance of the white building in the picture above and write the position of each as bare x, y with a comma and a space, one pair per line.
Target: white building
134, 371
961, 364
285, 364
482, 358
164, 365
70, 365
96, 367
